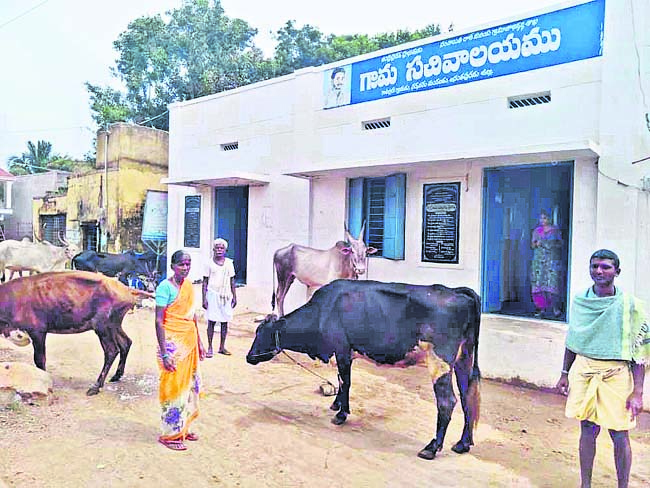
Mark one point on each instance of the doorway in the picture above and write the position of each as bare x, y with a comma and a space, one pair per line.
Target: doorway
525, 264
231, 224
90, 236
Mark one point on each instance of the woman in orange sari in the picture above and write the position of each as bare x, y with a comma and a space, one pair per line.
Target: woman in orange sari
179, 352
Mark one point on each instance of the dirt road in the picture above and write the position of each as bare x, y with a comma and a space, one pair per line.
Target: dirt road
269, 425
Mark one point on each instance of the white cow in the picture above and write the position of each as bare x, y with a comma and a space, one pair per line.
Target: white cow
317, 267
37, 257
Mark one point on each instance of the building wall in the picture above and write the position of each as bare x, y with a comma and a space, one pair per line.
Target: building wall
434, 135
277, 216
114, 196
624, 128
25, 189
133, 143
597, 119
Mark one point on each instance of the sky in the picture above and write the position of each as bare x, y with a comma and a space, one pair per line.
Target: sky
50, 48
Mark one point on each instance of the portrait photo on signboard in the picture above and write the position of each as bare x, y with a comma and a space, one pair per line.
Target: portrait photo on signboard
336, 87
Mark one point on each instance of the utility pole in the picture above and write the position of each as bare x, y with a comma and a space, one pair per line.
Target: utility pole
105, 193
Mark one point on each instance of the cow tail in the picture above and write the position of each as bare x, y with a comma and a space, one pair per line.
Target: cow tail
474, 393
273, 294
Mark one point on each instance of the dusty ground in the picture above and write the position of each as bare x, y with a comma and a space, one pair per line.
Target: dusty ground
269, 425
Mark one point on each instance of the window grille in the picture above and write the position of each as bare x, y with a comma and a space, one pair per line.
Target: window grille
378, 205
529, 100
230, 146
376, 191
53, 228
376, 124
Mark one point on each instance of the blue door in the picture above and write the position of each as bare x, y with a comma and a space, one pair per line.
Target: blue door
518, 280
231, 224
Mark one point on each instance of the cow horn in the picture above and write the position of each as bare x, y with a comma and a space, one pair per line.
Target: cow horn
348, 236
63, 241
363, 225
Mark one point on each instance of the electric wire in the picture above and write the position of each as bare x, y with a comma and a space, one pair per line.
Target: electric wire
24, 13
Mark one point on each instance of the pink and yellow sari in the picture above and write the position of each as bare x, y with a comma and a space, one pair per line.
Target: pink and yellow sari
179, 390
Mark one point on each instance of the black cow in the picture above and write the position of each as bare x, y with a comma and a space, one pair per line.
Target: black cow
123, 266
386, 322
105, 263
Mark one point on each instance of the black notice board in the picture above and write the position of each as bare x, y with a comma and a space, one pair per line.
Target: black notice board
192, 221
440, 222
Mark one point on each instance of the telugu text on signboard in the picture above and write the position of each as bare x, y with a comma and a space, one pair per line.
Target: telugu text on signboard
192, 221
440, 222
550, 39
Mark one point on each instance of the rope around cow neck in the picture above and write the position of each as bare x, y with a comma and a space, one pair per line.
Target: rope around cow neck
310, 371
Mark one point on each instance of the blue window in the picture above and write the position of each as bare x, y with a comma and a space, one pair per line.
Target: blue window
380, 204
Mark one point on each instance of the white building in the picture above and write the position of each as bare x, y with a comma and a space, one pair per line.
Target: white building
448, 148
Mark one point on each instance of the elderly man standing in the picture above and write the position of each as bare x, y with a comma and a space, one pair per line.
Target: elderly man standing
219, 293
607, 348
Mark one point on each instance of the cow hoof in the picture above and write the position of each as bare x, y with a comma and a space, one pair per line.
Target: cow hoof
339, 418
93, 390
115, 378
460, 448
427, 454
336, 405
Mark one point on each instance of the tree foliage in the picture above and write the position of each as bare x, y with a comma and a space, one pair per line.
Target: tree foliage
39, 158
307, 46
197, 50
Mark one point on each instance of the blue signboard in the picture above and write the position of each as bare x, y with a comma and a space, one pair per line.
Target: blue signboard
550, 39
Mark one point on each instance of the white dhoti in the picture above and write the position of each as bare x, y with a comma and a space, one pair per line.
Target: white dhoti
219, 310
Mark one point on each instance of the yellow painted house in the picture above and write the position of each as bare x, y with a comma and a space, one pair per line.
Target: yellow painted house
103, 209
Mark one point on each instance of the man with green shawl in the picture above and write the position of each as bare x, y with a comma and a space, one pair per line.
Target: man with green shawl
607, 349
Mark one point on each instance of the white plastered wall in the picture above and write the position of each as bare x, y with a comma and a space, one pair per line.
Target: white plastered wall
448, 134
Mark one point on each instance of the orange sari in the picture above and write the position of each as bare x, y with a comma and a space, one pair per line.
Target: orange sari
179, 390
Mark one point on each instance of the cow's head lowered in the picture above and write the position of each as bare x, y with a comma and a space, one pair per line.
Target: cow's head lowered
267, 341
357, 250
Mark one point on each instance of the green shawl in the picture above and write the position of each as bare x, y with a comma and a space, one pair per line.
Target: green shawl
613, 327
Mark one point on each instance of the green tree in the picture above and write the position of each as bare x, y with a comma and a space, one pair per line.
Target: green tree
298, 48
34, 160
307, 46
108, 105
39, 158
197, 50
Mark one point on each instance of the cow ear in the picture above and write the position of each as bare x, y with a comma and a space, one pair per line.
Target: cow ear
371, 250
345, 250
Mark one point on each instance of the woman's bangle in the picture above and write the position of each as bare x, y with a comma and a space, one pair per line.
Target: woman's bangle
165, 356
564, 371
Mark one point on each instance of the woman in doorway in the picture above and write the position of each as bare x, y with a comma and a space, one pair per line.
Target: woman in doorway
546, 272
179, 352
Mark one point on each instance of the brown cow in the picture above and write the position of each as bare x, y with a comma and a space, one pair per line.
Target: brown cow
317, 267
69, 302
